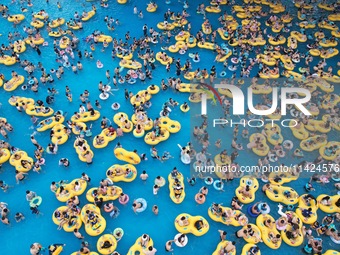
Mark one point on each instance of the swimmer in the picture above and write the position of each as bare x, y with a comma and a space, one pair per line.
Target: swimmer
155, 189
144, 176
223, 235
192, 181
64, 162
19, 217
85, 177
155, 209
77, 234
4, 186
168, 247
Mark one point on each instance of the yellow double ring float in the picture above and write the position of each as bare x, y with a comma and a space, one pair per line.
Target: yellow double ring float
127, 156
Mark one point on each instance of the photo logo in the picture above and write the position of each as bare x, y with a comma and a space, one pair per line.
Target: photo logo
238, 100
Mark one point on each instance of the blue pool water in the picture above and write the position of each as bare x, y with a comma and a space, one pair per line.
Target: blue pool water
17, 238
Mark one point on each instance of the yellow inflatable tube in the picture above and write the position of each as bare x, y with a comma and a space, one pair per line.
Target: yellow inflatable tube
81, 154
118, 117
123, 177
107, 38
21, 161
127, 156
13, 83
171, 125
15, 17
91, 253
265, 148
132, 64
282, 194
330, 151
313, 143
253, 185
77, 223
37, 24
85, 117
90, 14
137, 248
266, 231
255, 238
56, 23
329, 207
179, 199
107, 197
49, 123
106, 135
151, 8
296, 241
302, 205
60, 135
71, 190
166, 61
165, 134
220, 247
106, 238
300, 133
247, 247
5, 155
96, 226
191, 228
242, 218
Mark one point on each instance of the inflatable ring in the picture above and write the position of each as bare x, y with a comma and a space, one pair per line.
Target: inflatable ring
264, 180
272, 157
230, 68
132, 81
184, 110
266, 211
178, 243
67, 65
182, 52
108, 209
124, 202
218, 185
161, 114
288, 144
209, 180
115, 108
23, 87
335, 241
281, 153
196, 60
116, 235
223, 73
143, 202
36, 201
290, 207
251, 213
104, 96
161, 182
121, 81
31, 82
234, 60
334, 178
41, 161
199, 201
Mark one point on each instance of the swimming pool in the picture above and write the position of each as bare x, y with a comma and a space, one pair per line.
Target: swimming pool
18, 238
